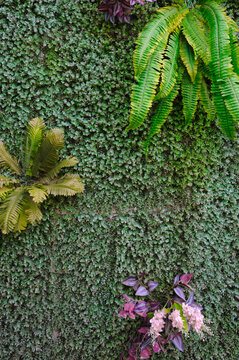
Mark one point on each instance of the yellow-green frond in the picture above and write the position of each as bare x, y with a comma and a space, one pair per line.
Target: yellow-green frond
10, 210
4, 180
21, 223
37, 192
206, 100
165, 21
193, 30
230, 91
4, 190
68, 162
170, 65
32, 211
35, 131
188, 58
190, 94
68, 185
48, 152
7, 161
144, 89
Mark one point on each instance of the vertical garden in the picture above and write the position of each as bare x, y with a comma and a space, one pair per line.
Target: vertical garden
174, 210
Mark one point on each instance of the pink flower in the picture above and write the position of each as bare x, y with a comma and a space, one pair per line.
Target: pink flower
193, 316
177, 321
157, 322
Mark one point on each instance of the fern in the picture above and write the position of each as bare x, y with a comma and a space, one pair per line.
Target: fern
203, 39
20, 199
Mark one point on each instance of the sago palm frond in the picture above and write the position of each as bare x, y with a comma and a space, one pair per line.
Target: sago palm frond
7, 161
35, 131
10, 210
20, 199
68, 185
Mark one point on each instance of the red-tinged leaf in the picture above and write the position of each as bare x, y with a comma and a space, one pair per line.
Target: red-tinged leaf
142, 291
131, 315
127, 298
131, 358
185, 278
162, 349
177, 341
141, 313
123, 314
152, 285
143, 330
179, 291
146, 353
156, 347
176, 279
152, 305
130, 281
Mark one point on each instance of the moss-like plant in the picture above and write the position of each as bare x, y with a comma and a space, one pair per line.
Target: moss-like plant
192, 47
20, 198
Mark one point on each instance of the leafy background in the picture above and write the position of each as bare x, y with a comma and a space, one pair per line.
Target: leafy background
175, 211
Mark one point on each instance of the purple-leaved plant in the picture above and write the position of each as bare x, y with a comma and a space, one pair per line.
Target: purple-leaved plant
161, 325
119, 9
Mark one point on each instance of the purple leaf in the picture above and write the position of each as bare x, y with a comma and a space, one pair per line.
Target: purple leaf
185, 278
143, 330
130, 281
177, 341
156, 347
176, 280
190, 299
141, 307
197, 306
152, 285
178, 300
136, 286
179, 291
142, 291
153, 306
146, 343
145, 354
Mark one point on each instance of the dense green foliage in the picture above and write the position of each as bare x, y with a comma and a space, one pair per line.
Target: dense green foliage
195, 49
178, 212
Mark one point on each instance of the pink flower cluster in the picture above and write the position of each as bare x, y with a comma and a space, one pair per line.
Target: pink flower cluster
193, 316
177, 321
157, 322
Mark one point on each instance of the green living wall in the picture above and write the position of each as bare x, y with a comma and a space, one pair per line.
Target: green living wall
175, 211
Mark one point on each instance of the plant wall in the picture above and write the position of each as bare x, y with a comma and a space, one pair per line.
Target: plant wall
173, 212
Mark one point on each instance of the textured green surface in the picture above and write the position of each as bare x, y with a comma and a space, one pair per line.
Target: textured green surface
60, 281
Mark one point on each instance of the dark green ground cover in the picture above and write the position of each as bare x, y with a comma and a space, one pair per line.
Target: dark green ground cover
60, 281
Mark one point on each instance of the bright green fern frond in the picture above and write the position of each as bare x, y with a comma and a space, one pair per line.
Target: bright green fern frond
48, 153
206, 100
190, 94
165, 21
193, 30
4, 190
7, 161
230, 92
69, 162
10, 210
144, 90
234, 44
188, 58
164, 108
35, 131
68, 185
38, 193
170, 64
226, 121
221, 66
